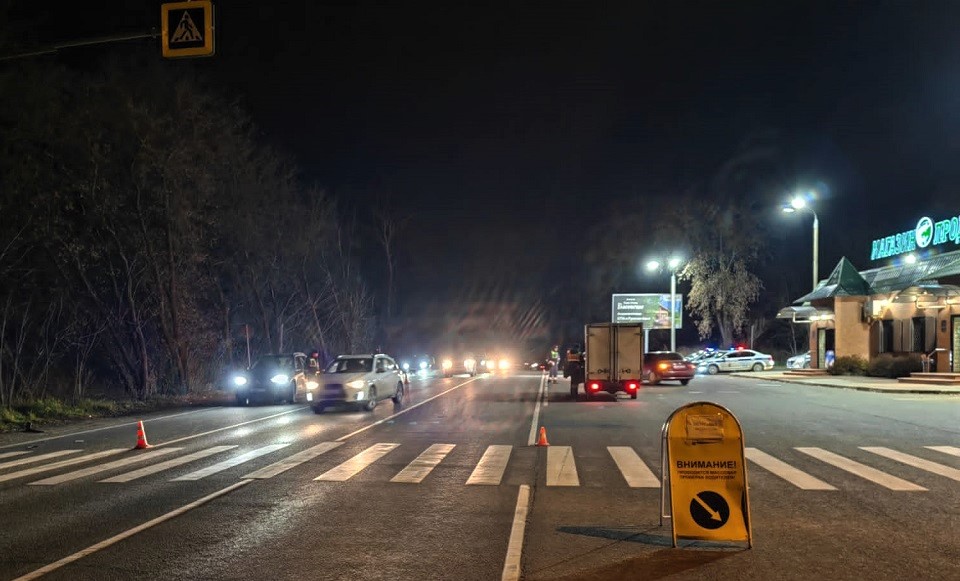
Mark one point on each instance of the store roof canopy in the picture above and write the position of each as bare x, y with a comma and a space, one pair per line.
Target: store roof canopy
804, 314
923, 292
897, 277
844, 281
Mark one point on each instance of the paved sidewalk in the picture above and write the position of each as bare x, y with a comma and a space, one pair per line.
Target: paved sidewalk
851, 382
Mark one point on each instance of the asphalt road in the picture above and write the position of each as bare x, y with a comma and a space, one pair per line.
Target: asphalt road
432, 489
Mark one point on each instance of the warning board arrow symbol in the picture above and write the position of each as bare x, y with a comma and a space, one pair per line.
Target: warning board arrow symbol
715, 515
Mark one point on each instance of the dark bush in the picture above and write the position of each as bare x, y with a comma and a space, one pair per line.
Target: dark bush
849, 365
893, 366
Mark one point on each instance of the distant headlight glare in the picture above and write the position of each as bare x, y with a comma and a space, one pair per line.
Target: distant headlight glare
447, 364
423, 365
280, 378
406, 367
312, 385
239, 380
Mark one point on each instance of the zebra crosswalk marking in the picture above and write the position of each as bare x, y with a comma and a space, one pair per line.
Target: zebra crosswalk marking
916, 462
61, 464
863, 471
173, 462
34, 459
952, 450
293, 461
230, 463
354, 465
634, 471
53, 480
12, 454
798, 478
423, 464
561, 467
492, 465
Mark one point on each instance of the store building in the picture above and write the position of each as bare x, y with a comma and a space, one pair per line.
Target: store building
909, 306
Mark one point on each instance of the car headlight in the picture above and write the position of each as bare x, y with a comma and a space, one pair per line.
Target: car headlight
423, 365
406, 367
469, 362
239, 380
504, 364
312, 385
357, 384
280, 378
447, 364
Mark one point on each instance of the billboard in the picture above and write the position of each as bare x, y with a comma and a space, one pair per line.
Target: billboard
653, 310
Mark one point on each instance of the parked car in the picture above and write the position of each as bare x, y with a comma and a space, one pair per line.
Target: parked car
363, 380
276, 378
739, 360
801, 361
667, 366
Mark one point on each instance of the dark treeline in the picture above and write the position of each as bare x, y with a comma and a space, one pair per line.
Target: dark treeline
144, 225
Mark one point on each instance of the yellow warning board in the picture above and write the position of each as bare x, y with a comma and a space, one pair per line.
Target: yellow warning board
706, 476
187, 28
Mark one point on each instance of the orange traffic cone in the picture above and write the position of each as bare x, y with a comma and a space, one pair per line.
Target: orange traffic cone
543, 437
141, 437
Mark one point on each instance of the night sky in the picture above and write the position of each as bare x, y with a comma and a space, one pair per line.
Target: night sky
482, 118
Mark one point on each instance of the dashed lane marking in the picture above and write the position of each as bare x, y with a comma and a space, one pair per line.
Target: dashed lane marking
293, 461
354, 465
863, 471
492, 465
53, 480
146, 471
230, 463
798, 478
417, 470
634, 471
561, 467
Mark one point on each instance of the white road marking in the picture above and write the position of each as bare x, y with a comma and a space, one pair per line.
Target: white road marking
872, 474
635, 472
490, 469
915, 461
33, 459
798, 478
532, 439
72, 434
400, 413
61, 464
173, 462
129, 533
227, 464
141, 457
354, 465
952, 450
561, 467
511, 565
12, 454
416, 471
294, 460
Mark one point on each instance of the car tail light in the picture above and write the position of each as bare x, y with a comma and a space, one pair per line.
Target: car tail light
664, 366
594, 386
632, 386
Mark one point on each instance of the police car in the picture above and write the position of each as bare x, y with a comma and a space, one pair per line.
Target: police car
738, 360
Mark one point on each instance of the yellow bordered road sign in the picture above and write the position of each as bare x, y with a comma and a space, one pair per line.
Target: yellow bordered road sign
187, 28
705, 475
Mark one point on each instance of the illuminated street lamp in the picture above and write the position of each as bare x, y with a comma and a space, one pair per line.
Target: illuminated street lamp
797, 204
671, 265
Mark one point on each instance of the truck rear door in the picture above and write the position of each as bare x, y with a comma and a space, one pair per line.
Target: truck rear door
628, 342
598, 359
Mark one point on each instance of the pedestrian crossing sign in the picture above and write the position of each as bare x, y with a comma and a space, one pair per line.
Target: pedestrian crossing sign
187, 28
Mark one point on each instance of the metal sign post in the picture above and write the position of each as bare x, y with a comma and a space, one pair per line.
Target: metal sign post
703, 488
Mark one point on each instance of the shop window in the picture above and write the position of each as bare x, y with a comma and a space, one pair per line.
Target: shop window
923, 335
885, 336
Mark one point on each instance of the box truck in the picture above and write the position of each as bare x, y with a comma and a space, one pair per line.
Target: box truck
611, 362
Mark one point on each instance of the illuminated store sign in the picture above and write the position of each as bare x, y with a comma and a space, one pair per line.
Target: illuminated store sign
927, 233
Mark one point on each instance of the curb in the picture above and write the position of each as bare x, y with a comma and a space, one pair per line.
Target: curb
931, 391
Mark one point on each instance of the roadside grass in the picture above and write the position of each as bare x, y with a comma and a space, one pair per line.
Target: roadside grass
51, 410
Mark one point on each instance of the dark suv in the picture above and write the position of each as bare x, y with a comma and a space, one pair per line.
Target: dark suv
667, 366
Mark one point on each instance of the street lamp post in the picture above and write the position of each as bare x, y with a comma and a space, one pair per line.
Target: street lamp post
672, 265
797, 204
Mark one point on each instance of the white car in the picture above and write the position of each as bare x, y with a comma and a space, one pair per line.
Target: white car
362, 380
801, 361
739, 360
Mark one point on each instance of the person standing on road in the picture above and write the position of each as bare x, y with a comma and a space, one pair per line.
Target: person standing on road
554, 363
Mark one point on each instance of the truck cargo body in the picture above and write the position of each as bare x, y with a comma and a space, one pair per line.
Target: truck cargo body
613, 360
